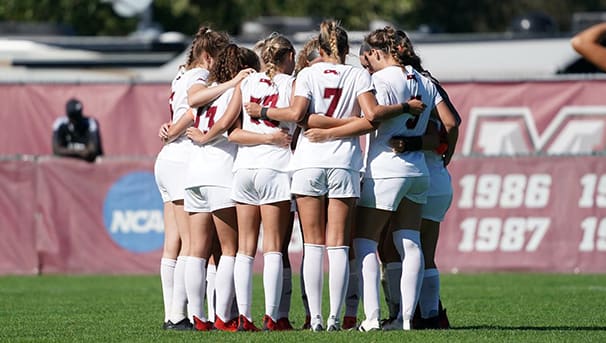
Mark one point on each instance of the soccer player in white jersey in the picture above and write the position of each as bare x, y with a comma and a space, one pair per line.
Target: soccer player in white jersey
169, 171
394, 184
261, 186
260, 158
209, 46
447, 121
326, 179
208, 184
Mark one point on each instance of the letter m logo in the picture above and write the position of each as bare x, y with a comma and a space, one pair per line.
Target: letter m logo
513, 131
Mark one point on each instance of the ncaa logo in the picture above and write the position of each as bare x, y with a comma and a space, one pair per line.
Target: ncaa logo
132, 213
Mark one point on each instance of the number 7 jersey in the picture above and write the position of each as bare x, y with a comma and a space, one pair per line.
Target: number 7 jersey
333, 91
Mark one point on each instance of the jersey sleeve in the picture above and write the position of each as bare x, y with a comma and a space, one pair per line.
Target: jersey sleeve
382, 92
303, 86
363, 82
198, 78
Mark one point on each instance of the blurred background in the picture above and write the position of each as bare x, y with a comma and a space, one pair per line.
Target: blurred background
529, 173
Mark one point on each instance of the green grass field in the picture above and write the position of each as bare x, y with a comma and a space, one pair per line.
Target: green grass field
481, 307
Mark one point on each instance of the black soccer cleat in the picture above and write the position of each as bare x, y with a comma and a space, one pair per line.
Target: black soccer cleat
183, 325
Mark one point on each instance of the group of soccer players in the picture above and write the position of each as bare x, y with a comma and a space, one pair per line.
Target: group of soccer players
256, 135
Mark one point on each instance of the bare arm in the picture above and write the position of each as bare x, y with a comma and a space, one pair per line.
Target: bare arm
451, 125
227, 120
319, 121
587, 43
295, 113
375, 112
244, 137
60, 150
199, 95
177, 129
355, 127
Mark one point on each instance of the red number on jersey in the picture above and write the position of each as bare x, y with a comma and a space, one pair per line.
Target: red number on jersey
335, 94
210, 114
198, 114
269, 101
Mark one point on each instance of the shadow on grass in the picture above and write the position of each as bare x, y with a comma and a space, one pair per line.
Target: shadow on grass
531, 328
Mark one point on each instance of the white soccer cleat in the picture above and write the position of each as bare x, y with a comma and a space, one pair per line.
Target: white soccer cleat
333, 324
316, 324
369, 325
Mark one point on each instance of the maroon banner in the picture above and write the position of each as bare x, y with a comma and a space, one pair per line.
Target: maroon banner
129, 115
499, 118
512, 118
539, 214
523, 213
18, 242
93, 216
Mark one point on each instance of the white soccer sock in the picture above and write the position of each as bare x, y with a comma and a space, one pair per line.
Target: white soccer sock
272, 282
195, 281
338, 277
393, 271
430, 293
167, 277
224, 287
302, 285
211, 274
178, 307
284, 308
352, 297
366, 253
313, 271
243, 271
409, 241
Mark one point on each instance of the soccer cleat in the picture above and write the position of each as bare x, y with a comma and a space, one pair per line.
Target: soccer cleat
200, 325
269, 324
369, 325
333, 324
307, 323
229, 326
417, 321
431, 323
316, 324
393, 324
444, 322
283, 324
182, 325
246, 325
349, 323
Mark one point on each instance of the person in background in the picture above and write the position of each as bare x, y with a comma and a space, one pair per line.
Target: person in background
589, 44
76, 135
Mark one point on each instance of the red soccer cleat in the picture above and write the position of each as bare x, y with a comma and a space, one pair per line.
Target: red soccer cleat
246, 325
349, 323
200, 325
230, 326
269, 324
284, 324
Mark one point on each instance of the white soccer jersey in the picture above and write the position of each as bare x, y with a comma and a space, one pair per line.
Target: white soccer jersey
269, 93
211, 164
394, 85
332, 90
179, 149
